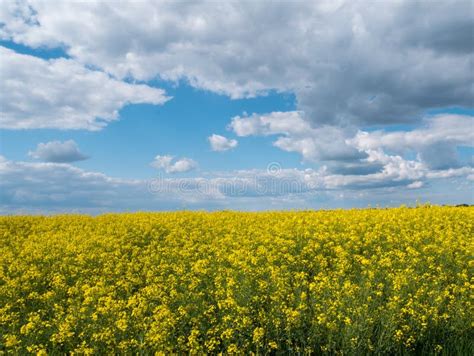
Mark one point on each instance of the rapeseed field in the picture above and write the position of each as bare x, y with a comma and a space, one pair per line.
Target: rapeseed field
355, 282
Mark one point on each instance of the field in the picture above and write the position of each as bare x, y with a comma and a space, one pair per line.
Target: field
354, 282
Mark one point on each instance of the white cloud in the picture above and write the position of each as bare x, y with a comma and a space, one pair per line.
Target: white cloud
347, 151
58, 152
289, 123
171, 165
415, 185
60, 93
347, 62
220, 143
456, 129
324, 143
435, 142
451, 172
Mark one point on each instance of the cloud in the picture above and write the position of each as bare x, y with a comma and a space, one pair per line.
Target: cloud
450, 173
62, 94
435, 142
393, 172
220, 143
58, 152
347, 151
171, 165
415, 185
358, 167
324, 143
288, 123
39, 187
43, 187
452, 34
456, 129
396, 172
347, 62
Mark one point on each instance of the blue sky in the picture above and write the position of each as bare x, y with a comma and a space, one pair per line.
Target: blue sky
281, 106
181, 127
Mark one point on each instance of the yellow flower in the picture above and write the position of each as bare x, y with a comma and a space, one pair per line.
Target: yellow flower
258, 335
11, 340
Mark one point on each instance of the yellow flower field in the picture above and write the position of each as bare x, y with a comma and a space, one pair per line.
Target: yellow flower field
349, 282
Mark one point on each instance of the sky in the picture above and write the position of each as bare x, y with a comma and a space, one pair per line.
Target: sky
204, 105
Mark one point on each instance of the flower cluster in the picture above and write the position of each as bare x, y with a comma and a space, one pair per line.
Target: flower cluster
349, 282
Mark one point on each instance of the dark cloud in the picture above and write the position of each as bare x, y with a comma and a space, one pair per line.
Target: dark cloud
355, 168
348, 62
443, 26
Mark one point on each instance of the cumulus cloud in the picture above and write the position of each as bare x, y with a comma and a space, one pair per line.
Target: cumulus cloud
347, 151
288, 122
456, 129
324, 143
172, 165
435, 142
346, 61
220, 143
62, 94
58, 152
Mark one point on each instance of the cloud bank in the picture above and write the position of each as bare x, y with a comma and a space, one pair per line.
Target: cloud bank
39, 187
